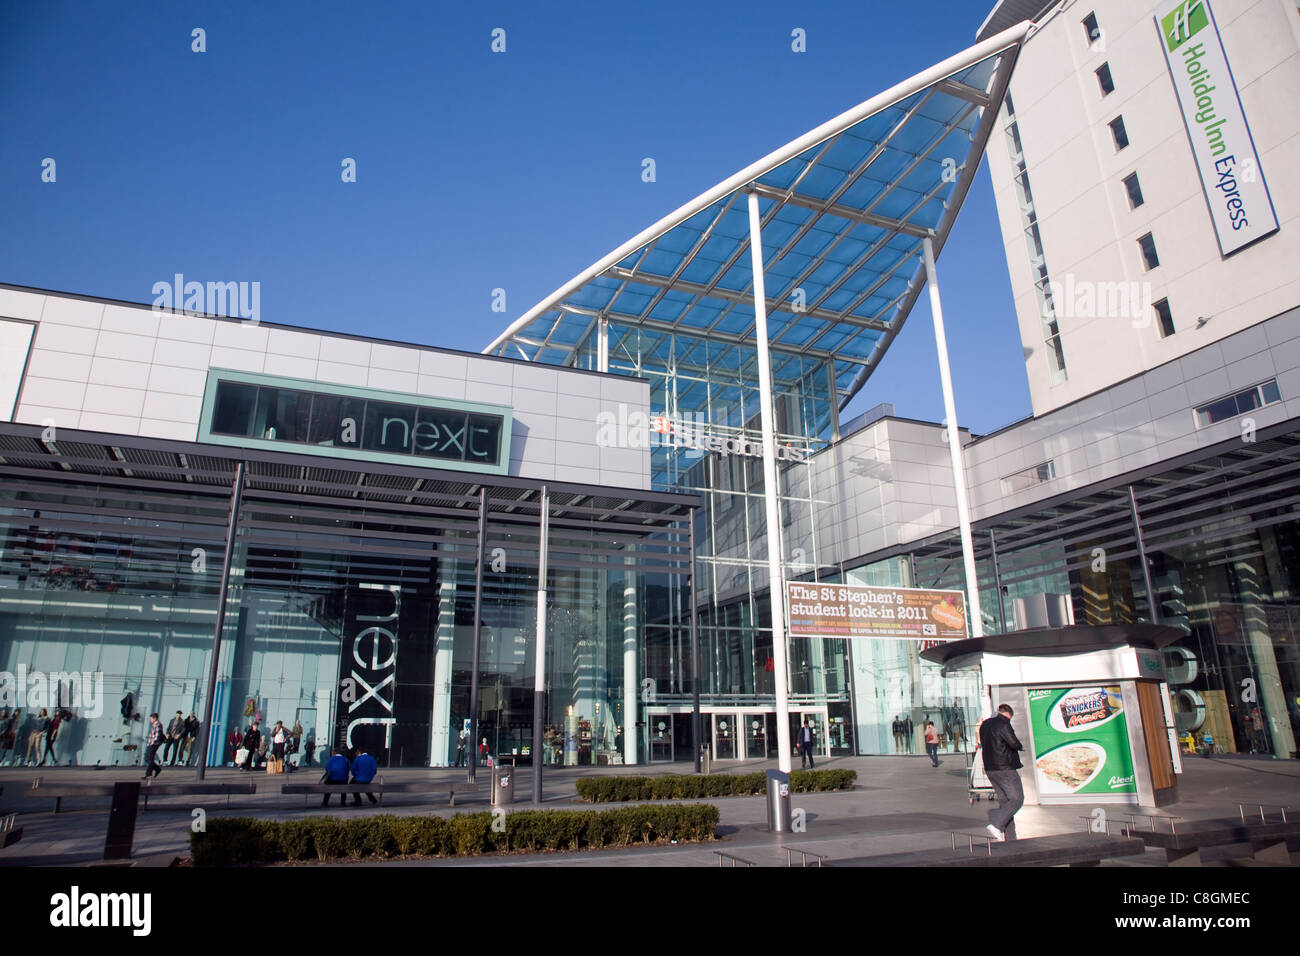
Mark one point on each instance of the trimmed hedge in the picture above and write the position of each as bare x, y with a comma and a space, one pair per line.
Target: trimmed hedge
683, 787
239, 841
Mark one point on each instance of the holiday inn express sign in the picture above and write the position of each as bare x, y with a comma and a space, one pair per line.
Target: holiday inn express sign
1226, 160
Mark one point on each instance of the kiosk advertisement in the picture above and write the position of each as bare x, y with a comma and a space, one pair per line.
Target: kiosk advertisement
1080, 741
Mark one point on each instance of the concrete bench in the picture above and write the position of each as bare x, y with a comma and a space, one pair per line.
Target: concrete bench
1075, 849
377, 786
187, 789
57, 792
1267, 842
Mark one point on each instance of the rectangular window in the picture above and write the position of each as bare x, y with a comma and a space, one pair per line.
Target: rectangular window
1090, 29
1164, 318
1230, 406
1148, 247
1134, 190
1104, 80
1118, 131
1028, 478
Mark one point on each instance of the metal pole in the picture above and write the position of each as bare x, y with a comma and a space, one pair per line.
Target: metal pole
835, 402
539, 677
695, 651
1142, 556
776, 582
997, 579
236, 495
954, 444
472, 763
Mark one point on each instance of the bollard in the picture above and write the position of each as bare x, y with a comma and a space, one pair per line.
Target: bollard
121, 820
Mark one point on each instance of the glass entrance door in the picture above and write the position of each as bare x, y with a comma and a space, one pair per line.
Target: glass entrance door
816, 718
757, 737
725, 731
659, 729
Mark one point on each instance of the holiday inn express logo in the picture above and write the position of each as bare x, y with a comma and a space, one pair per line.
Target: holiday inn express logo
1241, 210
1184, 22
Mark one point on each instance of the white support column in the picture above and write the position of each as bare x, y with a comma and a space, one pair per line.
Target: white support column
954, 445
441, 733
602, 344
771, 491
539, 675
631, 688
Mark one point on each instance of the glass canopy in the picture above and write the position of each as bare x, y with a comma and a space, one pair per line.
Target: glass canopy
844, 211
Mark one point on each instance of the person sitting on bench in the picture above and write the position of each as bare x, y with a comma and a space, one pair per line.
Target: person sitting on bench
336, 771
364, 769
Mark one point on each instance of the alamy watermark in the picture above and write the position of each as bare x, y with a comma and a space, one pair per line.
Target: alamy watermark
632, 428
82, 691
1085, 299
239, 300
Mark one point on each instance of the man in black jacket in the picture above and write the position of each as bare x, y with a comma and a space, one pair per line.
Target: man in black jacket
1001, 751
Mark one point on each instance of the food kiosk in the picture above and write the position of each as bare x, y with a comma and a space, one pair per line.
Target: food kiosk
1091, 708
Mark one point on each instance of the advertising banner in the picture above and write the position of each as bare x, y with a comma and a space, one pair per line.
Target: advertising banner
1080, 741
859, 611
1225, 155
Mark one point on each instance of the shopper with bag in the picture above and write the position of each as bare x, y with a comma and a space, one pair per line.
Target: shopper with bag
252, 741
235, 743
279, 737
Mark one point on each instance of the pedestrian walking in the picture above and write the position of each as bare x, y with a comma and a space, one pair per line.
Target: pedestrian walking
932, 743
152, 741
806, 745
253, 743
1002, 765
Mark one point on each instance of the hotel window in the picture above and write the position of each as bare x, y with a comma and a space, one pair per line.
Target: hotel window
1090, 29
1164, 318
1230, 406
1134, 190
1118, 131
1148, 247
1104, 80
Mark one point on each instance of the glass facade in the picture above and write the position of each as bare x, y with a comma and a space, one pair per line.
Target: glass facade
1221, 537
350, 612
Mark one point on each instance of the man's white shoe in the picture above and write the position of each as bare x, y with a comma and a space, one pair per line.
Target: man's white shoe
996, 834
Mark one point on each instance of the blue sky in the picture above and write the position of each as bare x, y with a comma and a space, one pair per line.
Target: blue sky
475, 170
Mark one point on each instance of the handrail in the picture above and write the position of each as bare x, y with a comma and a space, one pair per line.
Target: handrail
971, 838
805, 853
734, 859
1241, 809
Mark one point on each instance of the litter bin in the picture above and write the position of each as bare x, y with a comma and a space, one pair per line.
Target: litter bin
778, 801
503, 786
706, 764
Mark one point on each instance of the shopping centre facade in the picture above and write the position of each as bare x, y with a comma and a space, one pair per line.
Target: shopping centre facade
395, 503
